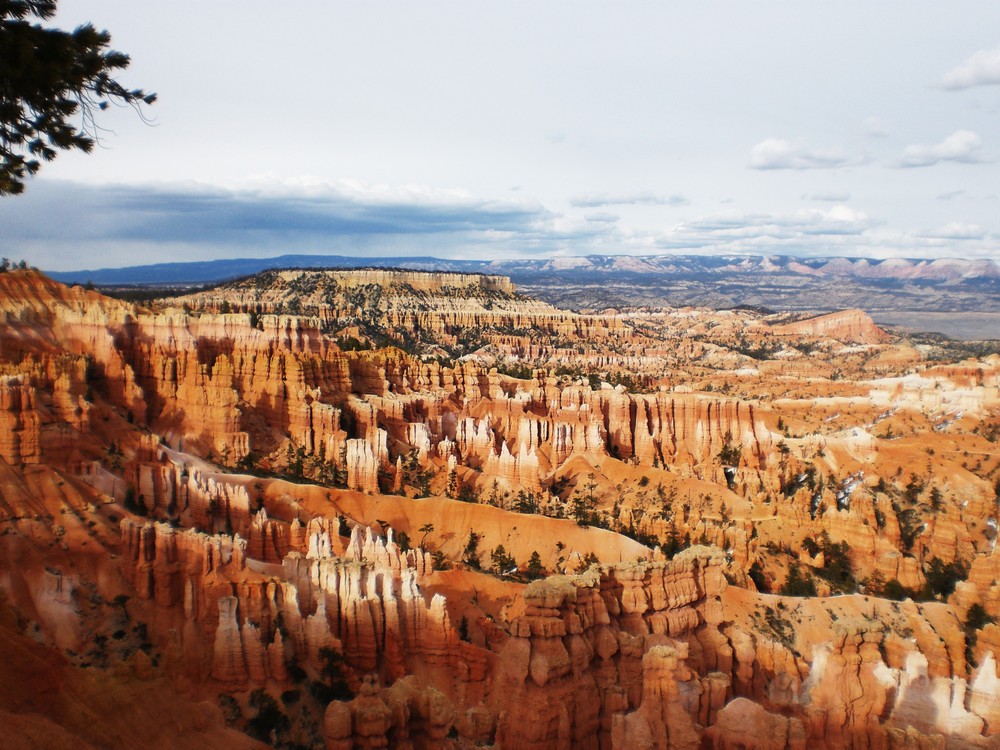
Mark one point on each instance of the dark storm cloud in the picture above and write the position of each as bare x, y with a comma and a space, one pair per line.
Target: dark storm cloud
198, 214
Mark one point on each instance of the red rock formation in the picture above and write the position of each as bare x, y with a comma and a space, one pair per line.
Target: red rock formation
108, 411
849, 326
666, 716
19, 423
578, 649
441, 305
402, 716
748, 725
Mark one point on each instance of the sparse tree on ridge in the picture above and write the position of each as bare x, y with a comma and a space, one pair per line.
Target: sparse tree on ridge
535, 567
426, 529
48, 78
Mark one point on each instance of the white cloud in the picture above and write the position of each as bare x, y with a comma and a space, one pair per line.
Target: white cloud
781, 153
875, 127
954, 231
130, 224
758, 230
349, 190
605, 217
837, 231
951, 194
642, 198
961, 146
980, 69
828, 196
845, 216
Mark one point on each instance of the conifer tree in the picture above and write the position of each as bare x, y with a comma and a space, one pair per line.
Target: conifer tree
52, 85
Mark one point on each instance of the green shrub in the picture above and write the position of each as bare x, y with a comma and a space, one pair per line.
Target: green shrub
797, 583
268, 720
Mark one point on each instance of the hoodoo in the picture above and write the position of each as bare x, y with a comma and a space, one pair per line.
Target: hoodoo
405, 509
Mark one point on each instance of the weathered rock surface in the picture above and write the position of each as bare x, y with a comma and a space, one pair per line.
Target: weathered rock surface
849, 326
141, 456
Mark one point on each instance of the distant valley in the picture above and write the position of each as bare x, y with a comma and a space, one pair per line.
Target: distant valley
594, 282
914, 294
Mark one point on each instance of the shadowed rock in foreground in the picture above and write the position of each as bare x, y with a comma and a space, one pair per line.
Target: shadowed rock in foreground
650, 529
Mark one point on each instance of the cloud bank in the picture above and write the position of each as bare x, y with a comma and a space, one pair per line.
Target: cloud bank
955, 231
961, 146
57, 221
646, 198
828, 196
780, 153
980, 69
68, 226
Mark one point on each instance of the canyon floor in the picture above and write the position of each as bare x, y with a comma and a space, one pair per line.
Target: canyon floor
377, 508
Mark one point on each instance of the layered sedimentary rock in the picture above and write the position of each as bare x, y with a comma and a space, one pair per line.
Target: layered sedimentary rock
219, 478
401, 716
19, 423
367, 605
851, 326
748, 725
435, 304
585, 650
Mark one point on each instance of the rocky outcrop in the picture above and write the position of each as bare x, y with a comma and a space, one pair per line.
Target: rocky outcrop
20, 423
440, 305
367, 605
745, 725
420, 281
848, 326
126, 433
584, 650
666, 718
401, 716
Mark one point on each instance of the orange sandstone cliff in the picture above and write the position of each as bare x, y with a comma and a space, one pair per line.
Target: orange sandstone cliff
689, 534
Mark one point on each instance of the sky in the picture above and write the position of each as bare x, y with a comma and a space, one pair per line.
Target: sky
531, 129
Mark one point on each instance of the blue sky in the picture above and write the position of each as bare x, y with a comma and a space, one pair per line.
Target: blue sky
499, 129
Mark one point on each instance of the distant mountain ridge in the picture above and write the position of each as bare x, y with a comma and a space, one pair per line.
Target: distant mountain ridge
599, 282
941, 270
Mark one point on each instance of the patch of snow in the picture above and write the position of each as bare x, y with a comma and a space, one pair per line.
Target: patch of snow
846, 488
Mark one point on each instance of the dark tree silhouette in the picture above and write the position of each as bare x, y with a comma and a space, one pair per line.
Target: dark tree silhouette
52, 84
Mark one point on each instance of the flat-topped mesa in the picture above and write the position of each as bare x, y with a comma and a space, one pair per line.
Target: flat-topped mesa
435, 282
316, 288
433, 306
849, 326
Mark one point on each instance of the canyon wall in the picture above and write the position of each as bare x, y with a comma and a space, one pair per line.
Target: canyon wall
271, 508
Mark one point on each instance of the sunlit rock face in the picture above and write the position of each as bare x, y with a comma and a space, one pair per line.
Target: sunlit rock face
535, 529
849, 326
